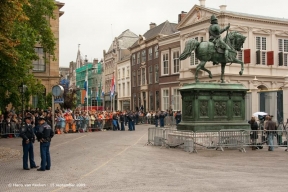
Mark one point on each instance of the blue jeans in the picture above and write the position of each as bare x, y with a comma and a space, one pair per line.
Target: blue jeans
161, 122
156, 122
45, 156
28, 151
270, 141
131, 126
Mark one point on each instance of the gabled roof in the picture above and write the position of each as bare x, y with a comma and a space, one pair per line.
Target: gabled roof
184, 22
125, 40
165, 28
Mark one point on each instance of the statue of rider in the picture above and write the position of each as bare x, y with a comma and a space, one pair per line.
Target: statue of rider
215, 36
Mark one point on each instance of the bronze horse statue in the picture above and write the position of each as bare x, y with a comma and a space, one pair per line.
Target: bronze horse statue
205, 51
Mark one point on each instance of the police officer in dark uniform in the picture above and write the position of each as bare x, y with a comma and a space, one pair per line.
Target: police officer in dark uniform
44, 136
122, 119
28, 137
156, 119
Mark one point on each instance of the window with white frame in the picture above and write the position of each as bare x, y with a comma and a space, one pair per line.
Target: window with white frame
156, 52
123, 88
138, 58
156, 73
193, 59
119, 74
150, 75
39, 64
261, 50
139, 77
143, 76
150, 53
176, 65
143, 56
165, 99
133, 59
128, 72
123, 72
176, 99
165, 66
283, 52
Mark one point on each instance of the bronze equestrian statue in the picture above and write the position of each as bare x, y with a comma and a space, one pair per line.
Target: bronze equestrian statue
216, 50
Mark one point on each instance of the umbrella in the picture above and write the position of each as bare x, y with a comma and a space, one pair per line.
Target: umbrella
256, 114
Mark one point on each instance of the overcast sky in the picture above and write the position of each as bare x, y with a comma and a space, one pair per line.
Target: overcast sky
94, 23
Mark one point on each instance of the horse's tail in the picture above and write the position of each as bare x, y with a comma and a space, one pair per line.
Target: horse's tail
190, 46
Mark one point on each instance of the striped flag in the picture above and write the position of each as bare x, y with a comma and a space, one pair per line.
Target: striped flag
86, 86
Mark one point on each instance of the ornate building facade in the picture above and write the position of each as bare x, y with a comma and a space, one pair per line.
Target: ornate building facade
265, 54
117, 53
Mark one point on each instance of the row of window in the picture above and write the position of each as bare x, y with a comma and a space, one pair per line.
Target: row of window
167, 101
139, 78
125, 72
152, 54
261, 54
124, 89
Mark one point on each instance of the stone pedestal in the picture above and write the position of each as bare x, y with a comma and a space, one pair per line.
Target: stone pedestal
213, 106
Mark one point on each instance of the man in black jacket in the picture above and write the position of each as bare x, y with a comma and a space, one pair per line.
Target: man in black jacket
28, 137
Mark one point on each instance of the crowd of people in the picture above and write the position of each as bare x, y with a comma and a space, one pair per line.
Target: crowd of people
79, 120
264, 132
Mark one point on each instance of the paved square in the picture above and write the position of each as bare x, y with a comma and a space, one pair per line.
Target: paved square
120, 161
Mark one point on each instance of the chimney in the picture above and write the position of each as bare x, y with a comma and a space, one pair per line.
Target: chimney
152, 25
223, 7
202, 3
181, 16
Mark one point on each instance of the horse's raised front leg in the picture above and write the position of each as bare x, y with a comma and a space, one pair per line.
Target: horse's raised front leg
242, 65
222, 71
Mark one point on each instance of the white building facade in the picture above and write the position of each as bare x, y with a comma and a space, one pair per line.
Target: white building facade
123, 84
265, 52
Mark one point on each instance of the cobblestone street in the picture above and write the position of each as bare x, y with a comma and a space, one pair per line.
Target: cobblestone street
120, 161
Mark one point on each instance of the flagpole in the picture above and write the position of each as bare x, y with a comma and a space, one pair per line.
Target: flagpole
91, 99
87, 87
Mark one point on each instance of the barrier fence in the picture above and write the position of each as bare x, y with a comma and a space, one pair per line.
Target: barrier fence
11, 129
224, 139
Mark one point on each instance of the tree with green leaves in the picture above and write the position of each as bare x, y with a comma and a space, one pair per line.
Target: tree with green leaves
23, 24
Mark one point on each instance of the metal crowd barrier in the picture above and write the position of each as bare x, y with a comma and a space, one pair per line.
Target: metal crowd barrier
233, 138
206, 140
226, 138
9, 130
158, 136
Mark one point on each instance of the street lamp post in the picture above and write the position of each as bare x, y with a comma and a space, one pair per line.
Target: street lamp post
22, 89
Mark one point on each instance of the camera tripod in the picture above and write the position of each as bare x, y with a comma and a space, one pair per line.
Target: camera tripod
285, 130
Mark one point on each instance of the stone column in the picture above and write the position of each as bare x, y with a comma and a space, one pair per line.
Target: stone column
254, 95
285, 100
